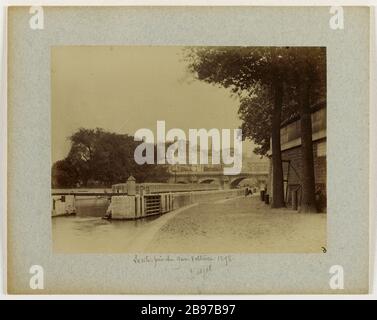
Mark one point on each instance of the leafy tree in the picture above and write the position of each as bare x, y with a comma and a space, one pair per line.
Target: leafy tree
63, 174
103, 158
304, 85
273, 83
83, 144
242, 69
255, 111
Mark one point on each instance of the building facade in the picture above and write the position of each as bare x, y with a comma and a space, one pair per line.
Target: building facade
292, 157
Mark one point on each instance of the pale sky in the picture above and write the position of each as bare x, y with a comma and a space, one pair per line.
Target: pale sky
124, 88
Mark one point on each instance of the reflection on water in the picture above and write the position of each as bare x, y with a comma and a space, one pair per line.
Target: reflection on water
88, 234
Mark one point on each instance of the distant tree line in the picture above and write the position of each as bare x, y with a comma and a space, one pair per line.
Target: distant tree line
101, 158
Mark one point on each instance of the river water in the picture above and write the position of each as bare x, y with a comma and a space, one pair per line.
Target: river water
239, 225
85, 234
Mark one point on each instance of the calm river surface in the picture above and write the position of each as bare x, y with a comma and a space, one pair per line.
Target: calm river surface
77, 234
87, 232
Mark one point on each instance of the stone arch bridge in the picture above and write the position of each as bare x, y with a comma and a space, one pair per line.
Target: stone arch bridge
258, 179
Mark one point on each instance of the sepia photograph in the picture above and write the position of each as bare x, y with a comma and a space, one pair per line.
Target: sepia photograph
172, 149
188, 150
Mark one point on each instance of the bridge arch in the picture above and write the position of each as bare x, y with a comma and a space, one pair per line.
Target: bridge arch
234, 183
207, 180
256, 179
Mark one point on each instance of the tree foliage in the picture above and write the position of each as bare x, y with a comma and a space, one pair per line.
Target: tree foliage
256, 111
101, 158
247, 70
256, 120
273, 84
237, 68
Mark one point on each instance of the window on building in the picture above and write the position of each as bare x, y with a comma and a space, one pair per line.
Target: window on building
321, 149
319, 120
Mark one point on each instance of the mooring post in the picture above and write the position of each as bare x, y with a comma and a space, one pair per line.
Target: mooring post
131, 186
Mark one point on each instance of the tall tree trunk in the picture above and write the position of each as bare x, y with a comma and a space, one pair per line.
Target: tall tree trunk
308, 202
277, 167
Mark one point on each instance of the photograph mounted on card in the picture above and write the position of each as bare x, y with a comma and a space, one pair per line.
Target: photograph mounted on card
218, 147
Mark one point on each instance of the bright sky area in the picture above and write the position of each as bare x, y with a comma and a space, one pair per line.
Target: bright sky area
124, 88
